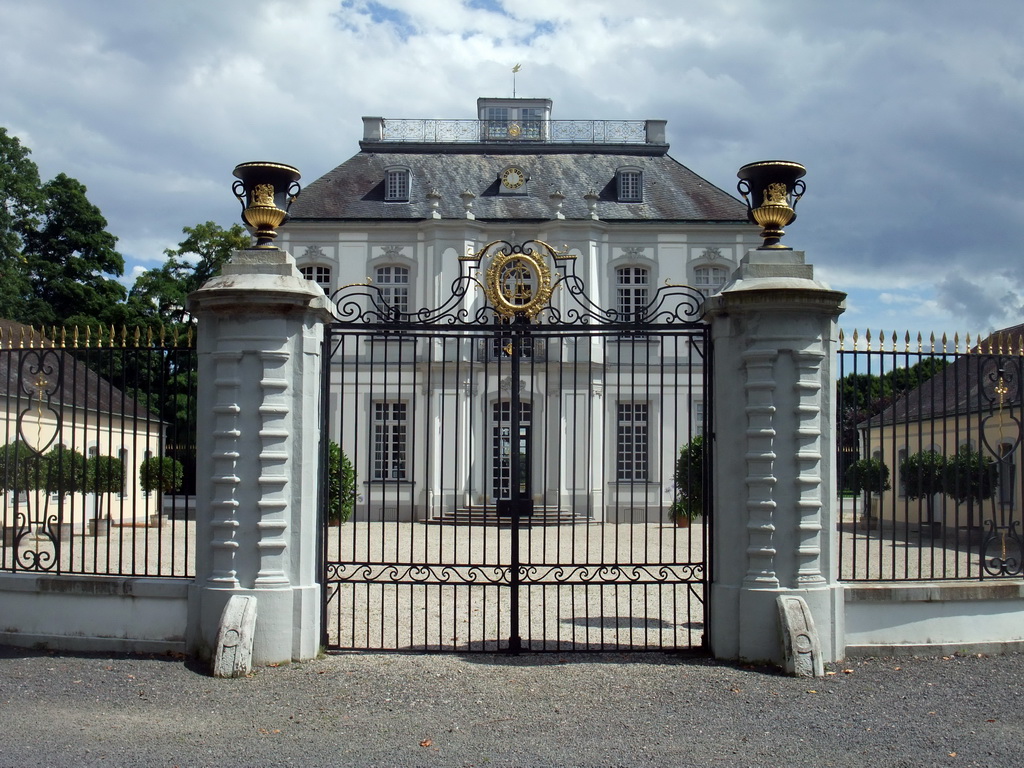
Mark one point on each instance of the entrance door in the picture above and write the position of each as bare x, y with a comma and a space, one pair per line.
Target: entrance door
501, 450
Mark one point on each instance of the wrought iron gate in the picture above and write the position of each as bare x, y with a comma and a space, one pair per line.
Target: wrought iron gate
510, 464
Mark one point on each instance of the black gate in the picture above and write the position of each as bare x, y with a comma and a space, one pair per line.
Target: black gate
510, 475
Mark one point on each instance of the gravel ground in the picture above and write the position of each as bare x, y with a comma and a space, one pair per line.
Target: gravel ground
487, 710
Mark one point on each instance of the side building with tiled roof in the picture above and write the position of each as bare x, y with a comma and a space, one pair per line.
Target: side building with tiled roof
52, 397
419, 194
975, 403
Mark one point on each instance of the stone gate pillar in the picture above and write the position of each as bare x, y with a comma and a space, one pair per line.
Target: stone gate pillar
260, 328
773, 333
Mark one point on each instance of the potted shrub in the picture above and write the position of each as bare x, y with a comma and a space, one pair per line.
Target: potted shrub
970, 477
924, 475
103, 475
341, 485
868, 476
688, 503
162, 474
21, 471
64, 471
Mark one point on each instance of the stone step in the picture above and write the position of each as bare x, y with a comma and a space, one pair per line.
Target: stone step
487, 514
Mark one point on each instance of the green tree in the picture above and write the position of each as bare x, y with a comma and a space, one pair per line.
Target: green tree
103, 475
924, 476
161, 473
159, 295
341, 485
65, 471
871, 475
970, 477
21, 202
688, 502
21, 468
71, 260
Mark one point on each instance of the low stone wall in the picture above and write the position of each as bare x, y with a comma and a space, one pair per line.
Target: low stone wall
934, 618
93, 613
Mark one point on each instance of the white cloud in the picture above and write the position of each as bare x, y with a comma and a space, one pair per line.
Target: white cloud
906, 115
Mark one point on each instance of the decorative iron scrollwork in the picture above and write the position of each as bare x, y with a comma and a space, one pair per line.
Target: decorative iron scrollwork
1002, 545
35, 536
518, 281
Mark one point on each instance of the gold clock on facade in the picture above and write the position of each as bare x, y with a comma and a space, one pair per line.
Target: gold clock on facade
512, 178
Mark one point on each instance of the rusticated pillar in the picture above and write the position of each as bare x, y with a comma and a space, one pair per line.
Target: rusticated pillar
775, 534
260, 333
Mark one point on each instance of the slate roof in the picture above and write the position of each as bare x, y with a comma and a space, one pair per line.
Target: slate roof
671, 192
80, 387
965, 385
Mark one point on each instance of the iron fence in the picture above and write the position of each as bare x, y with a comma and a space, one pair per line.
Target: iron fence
97, 464
929, 468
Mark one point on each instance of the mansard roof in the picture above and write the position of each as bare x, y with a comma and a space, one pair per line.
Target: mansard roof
355, 189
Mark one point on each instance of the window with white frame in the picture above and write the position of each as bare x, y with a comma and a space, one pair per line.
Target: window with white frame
632, 291
319, 274
145, 459
709, 280
390, 433
396, 185
697, 418
631, 444
630, 185
393, 282
122, 455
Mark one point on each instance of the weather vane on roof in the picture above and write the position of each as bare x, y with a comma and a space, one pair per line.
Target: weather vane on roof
515, 69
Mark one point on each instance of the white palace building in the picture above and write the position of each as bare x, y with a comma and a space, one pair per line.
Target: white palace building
427, 416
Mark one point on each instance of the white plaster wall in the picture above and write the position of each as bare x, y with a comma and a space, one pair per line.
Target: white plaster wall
93, 613
934, 618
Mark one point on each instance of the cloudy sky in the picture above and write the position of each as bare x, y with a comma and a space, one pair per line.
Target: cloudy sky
907, 113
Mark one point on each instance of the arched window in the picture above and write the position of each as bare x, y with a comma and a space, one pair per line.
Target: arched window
901, 480
709, 280
632, 285
319, 274
393, 282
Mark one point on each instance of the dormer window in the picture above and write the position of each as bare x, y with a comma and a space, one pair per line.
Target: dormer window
396, 185
630, 185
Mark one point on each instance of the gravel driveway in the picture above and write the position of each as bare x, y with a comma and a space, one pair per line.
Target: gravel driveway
488, 710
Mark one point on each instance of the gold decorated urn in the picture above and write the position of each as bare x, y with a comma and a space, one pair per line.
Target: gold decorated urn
771, 190
266, 192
